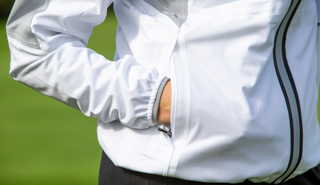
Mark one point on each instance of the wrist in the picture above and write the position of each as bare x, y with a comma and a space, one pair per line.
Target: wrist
164, 110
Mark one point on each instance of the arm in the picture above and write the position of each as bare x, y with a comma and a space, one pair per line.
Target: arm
48, 41
164, 112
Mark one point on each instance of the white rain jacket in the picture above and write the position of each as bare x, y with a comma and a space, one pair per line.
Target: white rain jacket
244, 79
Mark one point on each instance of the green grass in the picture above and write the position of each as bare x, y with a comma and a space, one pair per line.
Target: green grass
43, 141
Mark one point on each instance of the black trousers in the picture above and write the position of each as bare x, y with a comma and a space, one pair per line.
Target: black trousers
112, 175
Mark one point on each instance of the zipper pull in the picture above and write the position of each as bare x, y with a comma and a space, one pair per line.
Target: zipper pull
168, 132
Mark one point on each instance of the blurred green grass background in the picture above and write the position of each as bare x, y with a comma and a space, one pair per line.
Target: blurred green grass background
43, 141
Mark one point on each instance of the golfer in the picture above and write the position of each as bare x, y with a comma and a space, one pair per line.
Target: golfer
198, 92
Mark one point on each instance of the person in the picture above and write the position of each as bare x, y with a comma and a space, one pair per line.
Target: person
220, 91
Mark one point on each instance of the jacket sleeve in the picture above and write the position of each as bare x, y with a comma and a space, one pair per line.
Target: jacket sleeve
47, 40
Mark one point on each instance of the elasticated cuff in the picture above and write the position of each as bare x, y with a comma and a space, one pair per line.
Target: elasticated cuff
157, 100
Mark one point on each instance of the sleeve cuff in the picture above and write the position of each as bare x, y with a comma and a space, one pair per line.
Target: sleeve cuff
157, 100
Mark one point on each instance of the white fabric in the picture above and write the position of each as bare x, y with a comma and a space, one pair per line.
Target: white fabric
318, 9
229, 117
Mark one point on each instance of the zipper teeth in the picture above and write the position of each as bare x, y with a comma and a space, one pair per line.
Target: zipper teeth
289, 91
